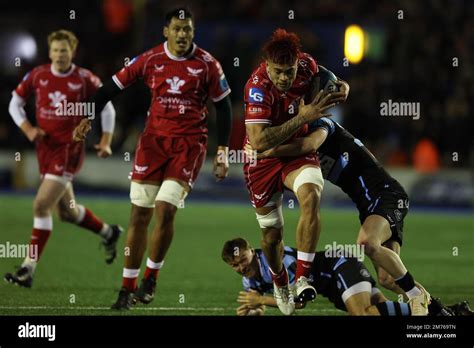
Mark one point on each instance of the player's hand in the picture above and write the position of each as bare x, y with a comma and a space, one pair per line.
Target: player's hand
341, 96
315, 109
80, 132
103, 150
221, 163
35, 134
242, 310
250, 153
250, 298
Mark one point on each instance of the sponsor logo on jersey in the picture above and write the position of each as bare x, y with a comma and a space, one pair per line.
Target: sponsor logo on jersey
398, 214
223, 83
56, 98
207, 57
74, 86
186, 172
44, 83
159, 68
174, 100
194, 72
255, 79
58, 168
260, 196
256, 95
131, 62
140, 169
175, 84
254, 110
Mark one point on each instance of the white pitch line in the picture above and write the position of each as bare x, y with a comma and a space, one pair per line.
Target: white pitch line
214, 309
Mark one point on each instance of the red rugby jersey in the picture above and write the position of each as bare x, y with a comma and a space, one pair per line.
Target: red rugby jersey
180, 87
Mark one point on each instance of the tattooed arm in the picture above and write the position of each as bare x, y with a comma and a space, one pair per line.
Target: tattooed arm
263, 137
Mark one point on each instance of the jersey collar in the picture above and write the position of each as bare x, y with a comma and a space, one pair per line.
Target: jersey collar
59, 74
173, 57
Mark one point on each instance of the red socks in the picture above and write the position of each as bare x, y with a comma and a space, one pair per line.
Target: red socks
280, 279
90, 221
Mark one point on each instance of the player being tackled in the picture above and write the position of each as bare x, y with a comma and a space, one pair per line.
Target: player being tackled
277, 109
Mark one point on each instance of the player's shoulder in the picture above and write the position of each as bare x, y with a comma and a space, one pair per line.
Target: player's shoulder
40, 69
148, 54
204, 55
84, 72
307, 63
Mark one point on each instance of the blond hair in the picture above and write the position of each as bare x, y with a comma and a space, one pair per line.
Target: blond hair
63, 35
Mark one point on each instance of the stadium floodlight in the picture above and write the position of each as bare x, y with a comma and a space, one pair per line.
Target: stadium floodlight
354, 44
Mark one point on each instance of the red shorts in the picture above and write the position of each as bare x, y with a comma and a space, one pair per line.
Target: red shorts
266, 177
160, 157
60, 159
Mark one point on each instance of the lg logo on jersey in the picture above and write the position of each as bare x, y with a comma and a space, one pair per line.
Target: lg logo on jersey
256, 95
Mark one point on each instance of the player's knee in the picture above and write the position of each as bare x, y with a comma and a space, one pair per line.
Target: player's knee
165, 213
386, 280
67, 215
272, 237
141, 216
41, 207
309, 196
370, 247
272, 220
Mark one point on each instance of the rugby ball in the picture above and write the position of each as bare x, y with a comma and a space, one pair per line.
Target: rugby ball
327, 80
323, 80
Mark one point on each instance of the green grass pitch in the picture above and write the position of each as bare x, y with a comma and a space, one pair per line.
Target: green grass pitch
73, 279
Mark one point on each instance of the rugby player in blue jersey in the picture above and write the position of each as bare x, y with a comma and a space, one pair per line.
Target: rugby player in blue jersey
345, 281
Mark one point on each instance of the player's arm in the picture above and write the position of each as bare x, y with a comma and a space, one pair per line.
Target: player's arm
100, 99
263, 137
18, 114
253, 300
107, 117
224, 126
322, 129
297, 147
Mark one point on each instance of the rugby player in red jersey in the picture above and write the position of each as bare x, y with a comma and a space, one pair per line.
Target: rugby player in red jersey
181, 77
275, 112
57, 86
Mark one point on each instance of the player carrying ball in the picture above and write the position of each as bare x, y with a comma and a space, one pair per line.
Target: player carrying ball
59, 157
276, 112
171, 150
381, 200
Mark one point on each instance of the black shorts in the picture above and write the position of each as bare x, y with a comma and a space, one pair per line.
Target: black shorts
333, 276
391, 204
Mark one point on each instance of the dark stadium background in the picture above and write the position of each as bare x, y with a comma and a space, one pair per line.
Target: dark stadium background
409, 59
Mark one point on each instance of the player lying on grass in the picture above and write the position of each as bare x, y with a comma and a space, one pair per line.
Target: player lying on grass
346, 282
381, 200
275, 113
59, 157
181, 77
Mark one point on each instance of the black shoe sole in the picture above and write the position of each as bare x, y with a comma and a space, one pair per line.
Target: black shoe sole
306, 296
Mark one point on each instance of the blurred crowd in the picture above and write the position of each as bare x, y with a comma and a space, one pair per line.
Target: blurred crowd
426, 56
